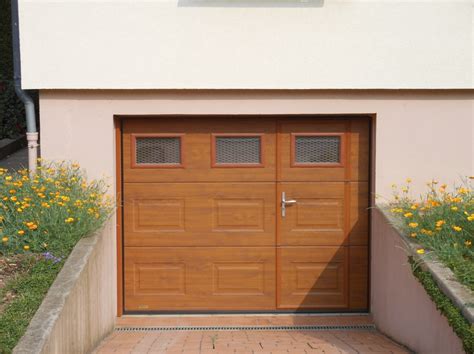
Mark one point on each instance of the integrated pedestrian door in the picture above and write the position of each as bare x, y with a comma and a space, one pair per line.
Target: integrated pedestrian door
245, 214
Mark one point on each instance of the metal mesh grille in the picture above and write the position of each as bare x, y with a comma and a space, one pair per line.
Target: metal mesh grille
238, 150
367, 327
158, 150
317, 149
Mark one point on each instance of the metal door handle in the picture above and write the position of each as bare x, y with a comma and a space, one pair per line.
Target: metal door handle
284, 203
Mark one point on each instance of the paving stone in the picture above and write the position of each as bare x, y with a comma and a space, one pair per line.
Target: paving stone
243, 341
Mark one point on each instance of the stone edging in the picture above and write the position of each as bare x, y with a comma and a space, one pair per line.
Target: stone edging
461, 295
45, 318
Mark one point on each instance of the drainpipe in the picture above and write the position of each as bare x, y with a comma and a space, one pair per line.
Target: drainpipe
31, 132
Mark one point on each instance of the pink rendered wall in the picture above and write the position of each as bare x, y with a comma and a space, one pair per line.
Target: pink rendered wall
399, 304
419, 134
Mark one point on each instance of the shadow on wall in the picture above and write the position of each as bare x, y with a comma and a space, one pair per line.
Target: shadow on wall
251, 3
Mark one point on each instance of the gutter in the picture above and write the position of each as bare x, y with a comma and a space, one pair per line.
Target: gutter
31, 130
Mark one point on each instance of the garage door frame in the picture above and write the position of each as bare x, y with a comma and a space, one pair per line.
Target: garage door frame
118, 125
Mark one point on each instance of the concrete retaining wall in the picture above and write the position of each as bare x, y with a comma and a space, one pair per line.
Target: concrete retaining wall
400, 306
80, 307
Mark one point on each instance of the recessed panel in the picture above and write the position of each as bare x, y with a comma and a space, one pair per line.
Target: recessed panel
239, 278
159, 214
239, 214
319, 214
316, 278
199, 214
160, 278
313, 277
199, 278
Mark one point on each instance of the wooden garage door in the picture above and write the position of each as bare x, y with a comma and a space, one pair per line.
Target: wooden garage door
245, 214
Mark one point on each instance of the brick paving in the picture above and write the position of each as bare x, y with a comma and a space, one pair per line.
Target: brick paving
245, 341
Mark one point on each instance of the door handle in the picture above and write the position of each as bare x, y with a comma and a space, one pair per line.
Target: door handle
284, 203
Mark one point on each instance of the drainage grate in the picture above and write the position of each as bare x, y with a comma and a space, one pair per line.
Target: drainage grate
367, 327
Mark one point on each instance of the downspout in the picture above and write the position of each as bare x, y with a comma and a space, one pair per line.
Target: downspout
31, 132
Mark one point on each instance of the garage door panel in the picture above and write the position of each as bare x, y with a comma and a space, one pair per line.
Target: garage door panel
330, 150
210, 278
186, 214
200, 150
325, 213
317, 217
312, 277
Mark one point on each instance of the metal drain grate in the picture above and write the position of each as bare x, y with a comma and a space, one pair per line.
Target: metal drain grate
368, 327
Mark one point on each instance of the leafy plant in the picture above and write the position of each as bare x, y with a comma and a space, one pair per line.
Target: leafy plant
442, 222
50, 211
42, 217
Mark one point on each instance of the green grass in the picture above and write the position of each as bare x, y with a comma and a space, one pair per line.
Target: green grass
442, 222
42, 218
30, 289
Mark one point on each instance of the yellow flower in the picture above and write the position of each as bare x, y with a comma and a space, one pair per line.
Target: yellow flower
5, 239
26, 247
468, 243
20, 210
420, 251
440, 223
414, 207
405, 190
21, 232
470, 217
69, 220
12, 191
408, 180
457, 228
413, 234
8, 178
413, 225
31, 225
408, 215
454, 208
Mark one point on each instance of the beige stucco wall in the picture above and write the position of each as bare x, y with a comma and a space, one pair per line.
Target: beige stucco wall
400, 305
419, 134
247, 44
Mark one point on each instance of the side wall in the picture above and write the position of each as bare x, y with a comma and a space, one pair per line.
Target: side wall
400, 306
419, 134
81, 305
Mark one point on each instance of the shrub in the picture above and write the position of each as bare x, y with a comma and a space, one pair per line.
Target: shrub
50, 211
442, 222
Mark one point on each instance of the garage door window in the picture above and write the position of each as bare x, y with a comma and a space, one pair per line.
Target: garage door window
157, 151
237, 150
317, 150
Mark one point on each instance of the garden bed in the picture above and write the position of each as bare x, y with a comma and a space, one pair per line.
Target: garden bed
438, 232
42, 217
